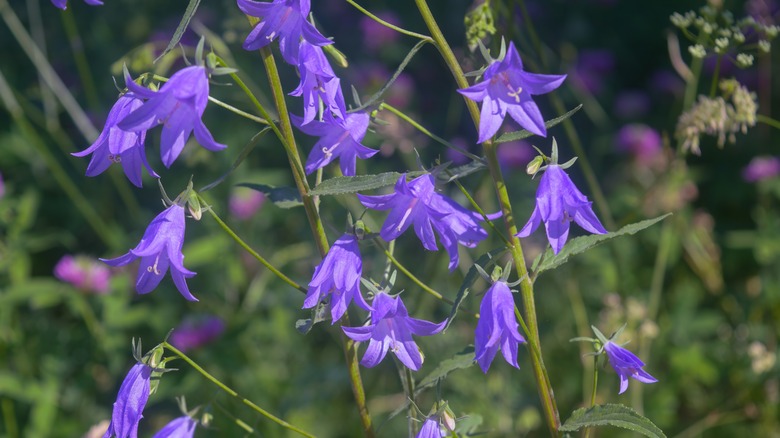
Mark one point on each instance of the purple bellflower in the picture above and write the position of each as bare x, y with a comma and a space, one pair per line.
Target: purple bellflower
160, 247
338, 274
117, 146
416, 202
507, 88
497, 327
338, 139
130, 402
318, 82
182, 427
178, 106
63, 4
283, 19
431, 428
558, 202
196, 332
391, 329
626, 365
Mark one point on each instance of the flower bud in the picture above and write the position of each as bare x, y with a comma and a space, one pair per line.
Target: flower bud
534, 165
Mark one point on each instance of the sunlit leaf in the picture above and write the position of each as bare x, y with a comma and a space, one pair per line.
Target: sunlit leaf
611, 415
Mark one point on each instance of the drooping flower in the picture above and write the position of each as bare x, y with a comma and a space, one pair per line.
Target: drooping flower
761, 168
338, 275
318, 82
179, 107
507, 88
497, 327
391, 329
115, 145
182, 427
626, 365
431, 428
283, 19
416, 202
130, 402
558, 202
84, 273
338, 139
63, 4
159, 247
195, 332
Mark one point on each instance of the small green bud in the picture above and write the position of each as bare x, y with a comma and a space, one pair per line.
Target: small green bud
534, 165
360, 229
496, 274
338, 57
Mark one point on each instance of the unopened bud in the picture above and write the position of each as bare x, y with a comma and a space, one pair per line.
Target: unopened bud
534, 165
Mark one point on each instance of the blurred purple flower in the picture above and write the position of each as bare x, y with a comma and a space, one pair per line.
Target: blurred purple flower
376, 35
179, 107
593, 67
115, 145
391, 329
515, 154
641, 141
558, 202
761, 168
244, 203
431, 428
130, 402
338, 139
63, 4
2, 186
507, 88
626, 365
338, 274
318, 82
182, 427
283, 19
84, 273
632, 104
196, 332
159, 247
667, 82
497, 327
372, 76
763, 11
416, 202
456, 157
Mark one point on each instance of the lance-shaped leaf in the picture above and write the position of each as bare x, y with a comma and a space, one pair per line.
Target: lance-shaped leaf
192, 7
611, 415
341, 185
462, 359
522, 134
282, 197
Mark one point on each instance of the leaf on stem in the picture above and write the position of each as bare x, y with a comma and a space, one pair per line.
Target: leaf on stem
282, 197
611, 415
522, 134
483, 262
192, 7
462, 359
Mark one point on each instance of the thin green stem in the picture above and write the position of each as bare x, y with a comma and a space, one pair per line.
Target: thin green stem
692, 87
239, 112
595, 387
82, 64
407, 381
249, 249
389, 25
715, 74
768, 121
233, 393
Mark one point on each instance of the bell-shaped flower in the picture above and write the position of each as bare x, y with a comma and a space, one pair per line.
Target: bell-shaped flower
160, 247
182, 427
339, 138
63, 4
318, 82
130, 402
507, 88
114, 145
338, 275
391, 328
179, 107
626, 365
431, 428
497, 327
416, 202
282, 19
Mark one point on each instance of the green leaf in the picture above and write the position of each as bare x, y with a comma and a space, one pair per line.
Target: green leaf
611, 415
471, 277
283, 197
462, 359
185, 21
450, 175
519, 135
352, 184
548, 260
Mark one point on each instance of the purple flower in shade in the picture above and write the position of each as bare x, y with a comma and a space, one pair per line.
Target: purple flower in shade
130, 403
84, 273
178, 106
2, 186
497, 327
761, 168
377, 35
593, 67
632, 104
283, 19
338, 139
391, 329
640, 140
431, 428
626, 365
244, 203
115, 145
159, 247
318, 82
338, 273
558, 202
193, 333
63, 4
182, 427
507, 88
416, 202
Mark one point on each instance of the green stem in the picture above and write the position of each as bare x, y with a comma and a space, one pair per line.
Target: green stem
233, 393
715, 74
82, 64
768, 121
526, 287
692, 86
9, 417
595, 387
389, 25
249, 249
407, 381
